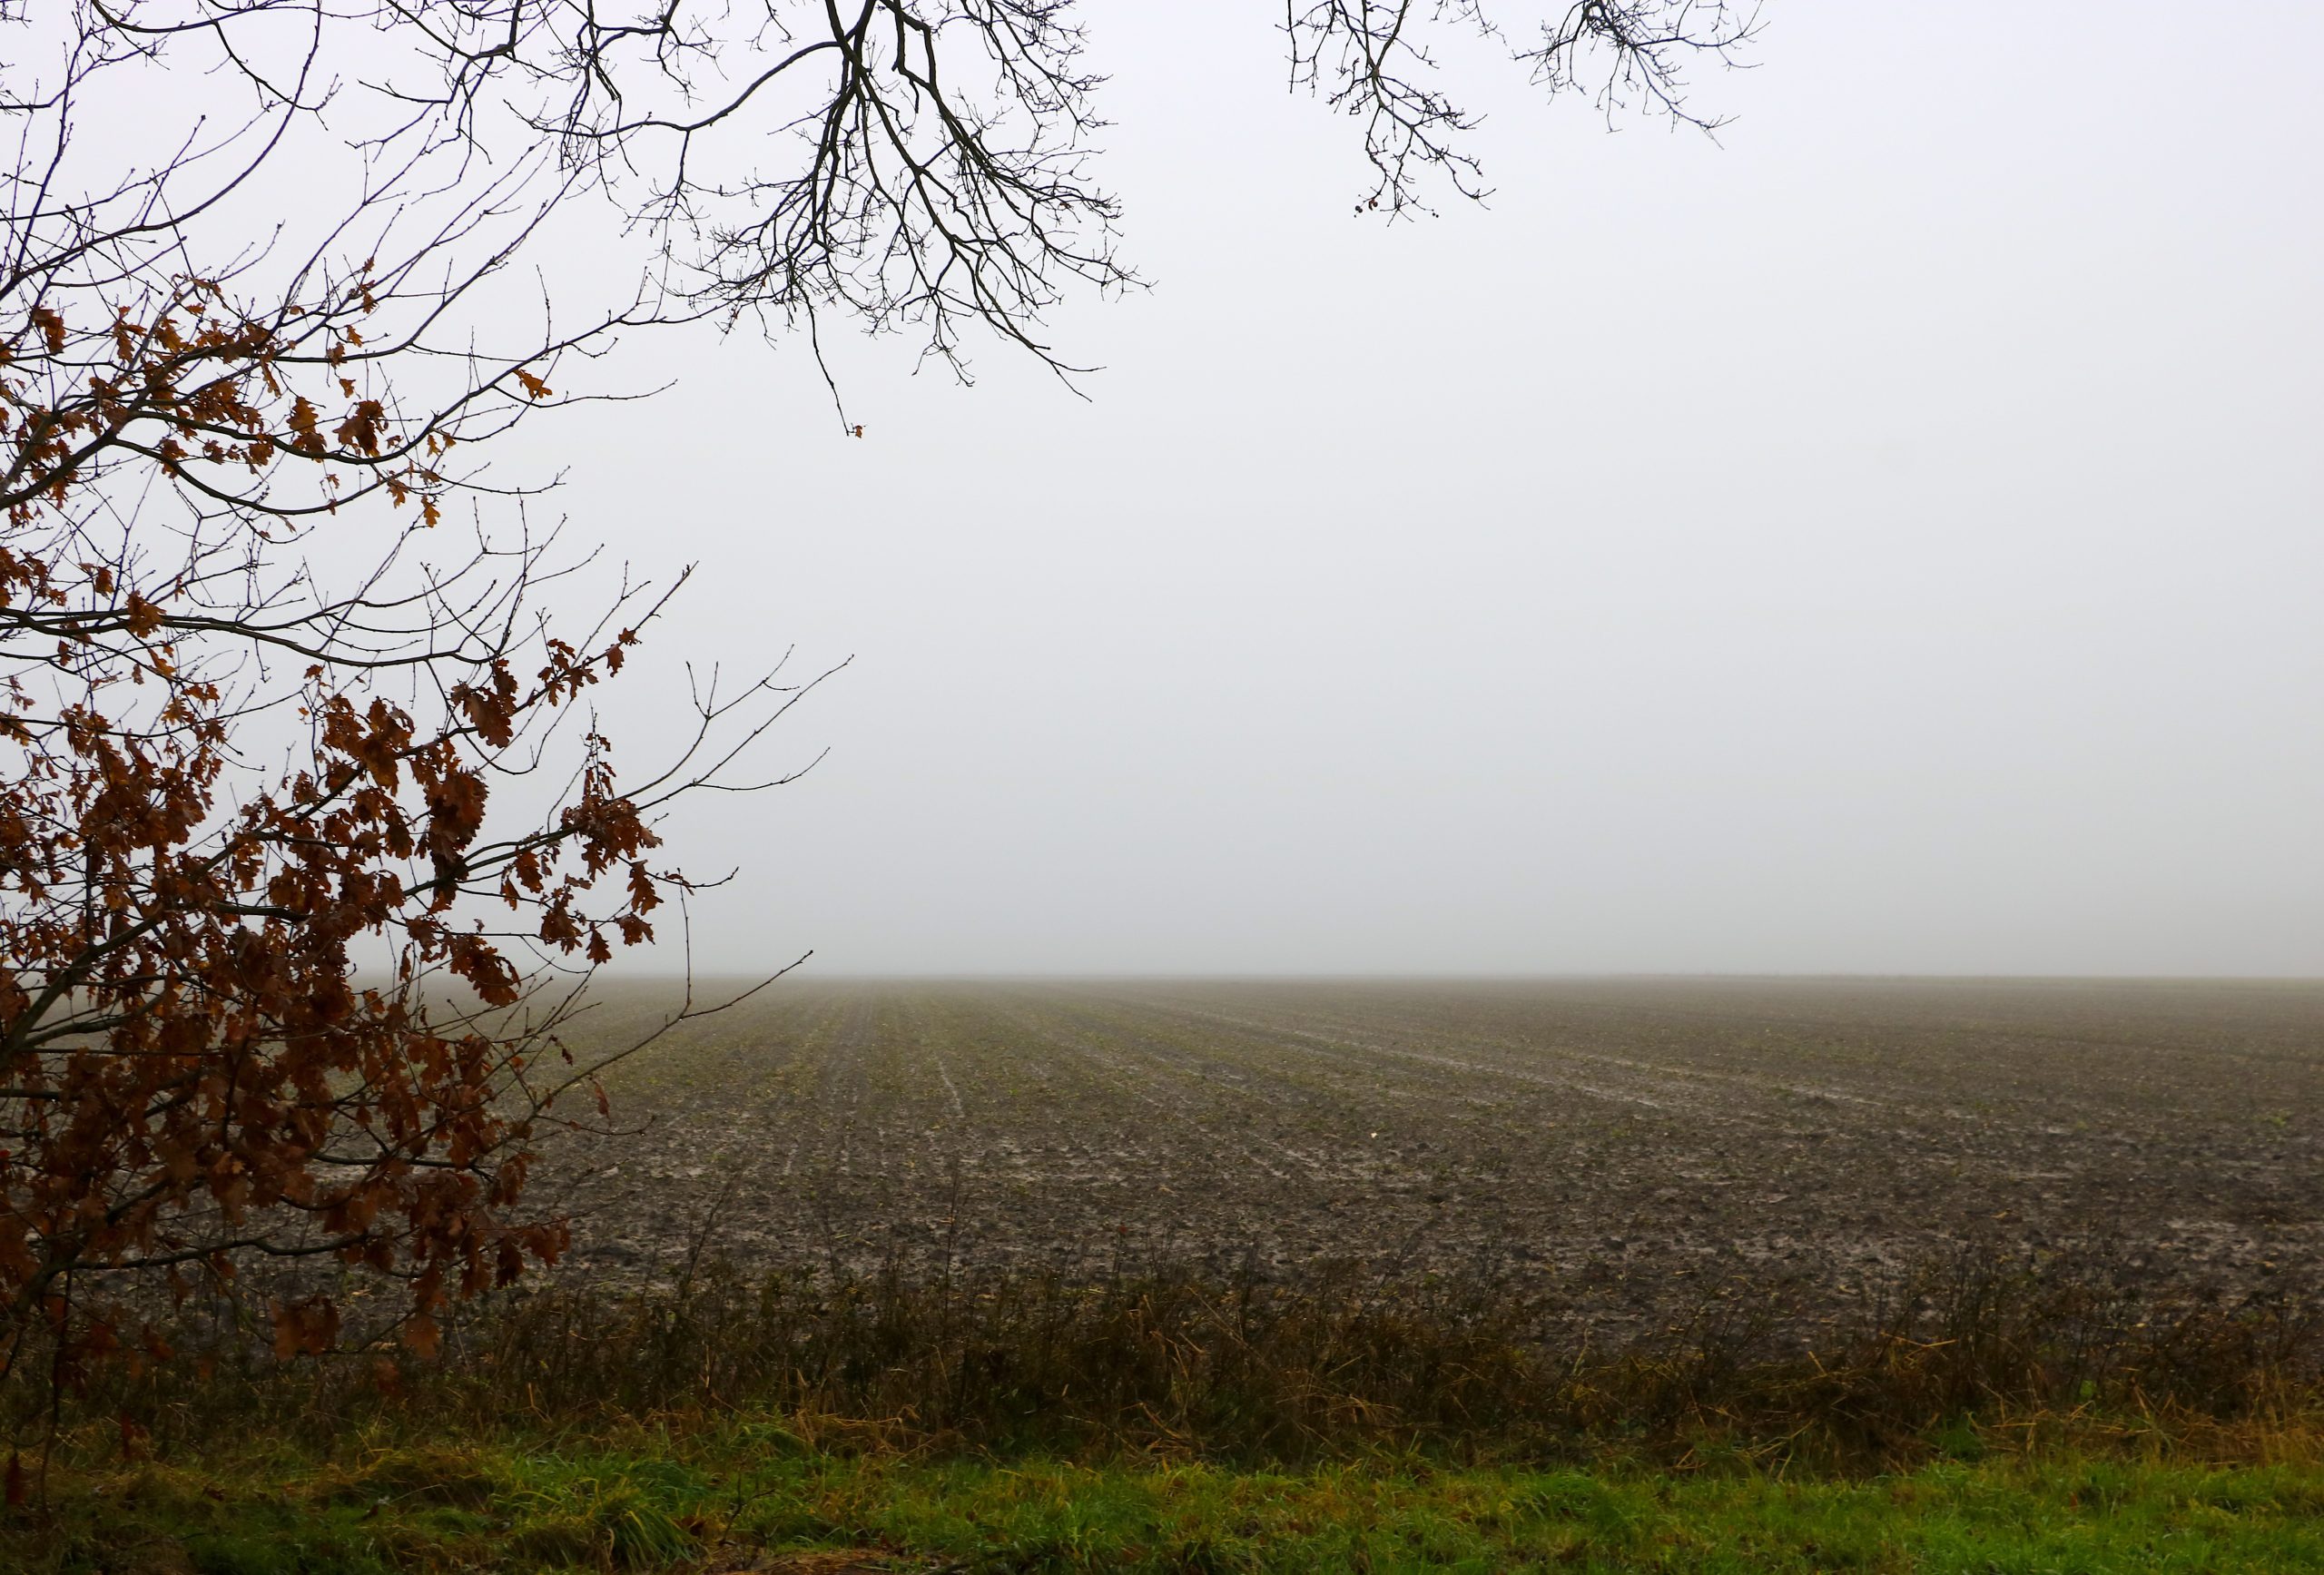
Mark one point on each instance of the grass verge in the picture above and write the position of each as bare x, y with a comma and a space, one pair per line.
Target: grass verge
755, 1495
1981, 1413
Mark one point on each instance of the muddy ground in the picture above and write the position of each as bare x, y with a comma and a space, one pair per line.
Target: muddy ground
1627, 1144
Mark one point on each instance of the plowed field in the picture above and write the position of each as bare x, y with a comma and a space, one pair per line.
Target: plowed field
1631, 1143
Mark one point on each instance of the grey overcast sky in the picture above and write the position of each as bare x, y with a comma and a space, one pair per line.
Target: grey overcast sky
1888, 541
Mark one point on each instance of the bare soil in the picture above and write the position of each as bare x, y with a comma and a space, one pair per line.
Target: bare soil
1629, 1145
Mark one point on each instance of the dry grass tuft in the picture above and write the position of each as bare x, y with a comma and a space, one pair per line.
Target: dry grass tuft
1970, 1352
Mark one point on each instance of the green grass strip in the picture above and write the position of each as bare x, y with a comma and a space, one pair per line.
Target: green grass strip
718, 1503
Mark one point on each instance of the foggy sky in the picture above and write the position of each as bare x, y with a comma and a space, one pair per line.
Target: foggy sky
1886, 541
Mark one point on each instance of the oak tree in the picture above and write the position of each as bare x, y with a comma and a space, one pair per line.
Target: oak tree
310, 836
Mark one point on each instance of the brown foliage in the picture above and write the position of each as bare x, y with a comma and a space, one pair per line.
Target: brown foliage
194, 1066
303, 1011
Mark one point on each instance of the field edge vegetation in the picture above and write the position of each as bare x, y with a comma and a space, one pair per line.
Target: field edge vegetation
1985, 1412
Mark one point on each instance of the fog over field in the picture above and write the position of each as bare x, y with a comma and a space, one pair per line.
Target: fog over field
899, 787
1885, 540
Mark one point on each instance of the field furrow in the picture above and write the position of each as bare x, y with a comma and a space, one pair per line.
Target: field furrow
1629, 1144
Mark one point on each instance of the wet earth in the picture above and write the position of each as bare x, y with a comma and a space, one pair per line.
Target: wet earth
1634, 1143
